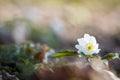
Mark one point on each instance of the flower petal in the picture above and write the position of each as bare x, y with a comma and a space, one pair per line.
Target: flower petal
92, 39
86, 38
77, 46
96, 46
81, 42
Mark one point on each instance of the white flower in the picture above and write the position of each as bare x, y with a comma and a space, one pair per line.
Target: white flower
116, 56
47, 55
87, 45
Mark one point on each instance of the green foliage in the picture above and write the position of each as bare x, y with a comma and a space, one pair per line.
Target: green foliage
108, 56
65, 53
71, 53
18, 60
82, 54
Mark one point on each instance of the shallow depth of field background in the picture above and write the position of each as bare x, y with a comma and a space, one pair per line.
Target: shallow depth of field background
58, 23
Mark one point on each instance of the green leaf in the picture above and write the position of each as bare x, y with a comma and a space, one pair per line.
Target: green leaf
27, 62
108, 56
89, 56
65, 53
36, 66
82, 54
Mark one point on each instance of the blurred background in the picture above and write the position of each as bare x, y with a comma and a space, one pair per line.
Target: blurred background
58, 23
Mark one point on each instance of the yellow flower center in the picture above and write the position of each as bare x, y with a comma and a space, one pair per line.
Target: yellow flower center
89, 46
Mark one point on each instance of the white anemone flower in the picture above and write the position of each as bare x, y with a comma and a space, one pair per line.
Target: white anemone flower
87, 45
